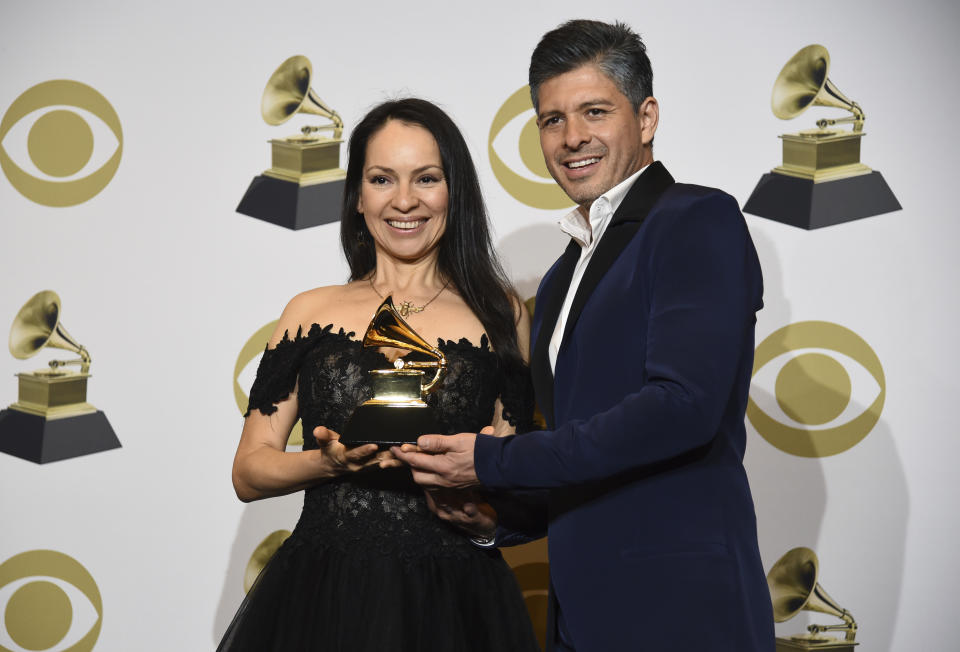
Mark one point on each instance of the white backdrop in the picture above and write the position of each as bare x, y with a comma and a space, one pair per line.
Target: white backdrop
164, 283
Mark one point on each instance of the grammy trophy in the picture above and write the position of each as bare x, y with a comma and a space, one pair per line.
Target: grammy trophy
821, 181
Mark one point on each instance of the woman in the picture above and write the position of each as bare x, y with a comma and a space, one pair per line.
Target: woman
368, 567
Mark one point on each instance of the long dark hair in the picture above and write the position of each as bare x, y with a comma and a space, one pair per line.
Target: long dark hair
465, 252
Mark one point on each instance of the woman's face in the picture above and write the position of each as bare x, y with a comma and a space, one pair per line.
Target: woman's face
403, 194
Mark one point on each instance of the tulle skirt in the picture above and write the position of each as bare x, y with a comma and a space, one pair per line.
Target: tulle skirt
311, 598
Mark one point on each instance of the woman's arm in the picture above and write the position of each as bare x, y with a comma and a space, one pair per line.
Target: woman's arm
262, 466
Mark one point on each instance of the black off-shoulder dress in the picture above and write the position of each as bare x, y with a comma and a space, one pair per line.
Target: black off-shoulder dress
368, 567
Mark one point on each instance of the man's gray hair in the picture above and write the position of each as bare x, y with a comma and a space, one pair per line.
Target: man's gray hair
616, 49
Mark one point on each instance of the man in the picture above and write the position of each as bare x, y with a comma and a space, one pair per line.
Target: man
641, 359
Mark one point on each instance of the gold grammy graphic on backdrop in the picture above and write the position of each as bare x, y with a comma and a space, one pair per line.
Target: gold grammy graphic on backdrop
251, 350
49, 600
533, 578
516, 124
822, 181
51, 419
794, 587
397, 413
261, 555
817, 389
59, 143
304, 185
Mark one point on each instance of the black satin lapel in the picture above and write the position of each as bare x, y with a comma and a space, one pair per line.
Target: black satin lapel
548, 310
633, 210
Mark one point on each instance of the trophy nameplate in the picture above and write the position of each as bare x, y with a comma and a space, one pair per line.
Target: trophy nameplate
397, 414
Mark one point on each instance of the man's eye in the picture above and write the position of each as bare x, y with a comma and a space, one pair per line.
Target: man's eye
549, 122
596, 112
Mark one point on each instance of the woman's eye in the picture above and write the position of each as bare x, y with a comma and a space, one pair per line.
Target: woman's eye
429, 178
378, 180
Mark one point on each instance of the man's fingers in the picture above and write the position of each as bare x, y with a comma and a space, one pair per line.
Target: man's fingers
429, 479
433, 443
420, 461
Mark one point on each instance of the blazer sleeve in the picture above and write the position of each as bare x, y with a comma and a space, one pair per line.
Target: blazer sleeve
705, 287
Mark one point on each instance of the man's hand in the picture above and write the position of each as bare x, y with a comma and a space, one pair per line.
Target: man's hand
441, 461
464, 509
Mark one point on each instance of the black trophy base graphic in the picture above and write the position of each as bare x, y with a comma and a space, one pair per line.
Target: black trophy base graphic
41, 440
290, 205
389, 425
808, 205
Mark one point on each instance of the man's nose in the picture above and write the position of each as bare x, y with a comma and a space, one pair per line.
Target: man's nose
575, 134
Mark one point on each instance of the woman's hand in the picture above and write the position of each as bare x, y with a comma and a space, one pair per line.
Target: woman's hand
338, 460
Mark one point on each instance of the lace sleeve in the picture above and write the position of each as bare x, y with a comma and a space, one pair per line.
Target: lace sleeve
277, 374
516, 396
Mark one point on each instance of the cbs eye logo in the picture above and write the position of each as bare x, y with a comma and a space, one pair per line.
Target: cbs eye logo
817, 390
53, 143
514, 131
246, 369
48, 599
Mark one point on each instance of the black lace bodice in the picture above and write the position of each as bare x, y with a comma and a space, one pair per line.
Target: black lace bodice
377, 510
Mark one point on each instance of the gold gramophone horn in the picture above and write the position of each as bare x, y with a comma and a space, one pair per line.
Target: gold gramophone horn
288, 92
262, 554
37, 325
803, 82
387, 328
794, 588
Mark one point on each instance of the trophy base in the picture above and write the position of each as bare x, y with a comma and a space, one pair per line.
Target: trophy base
389, 424
809, 205
793, 644
41, 439
291, 205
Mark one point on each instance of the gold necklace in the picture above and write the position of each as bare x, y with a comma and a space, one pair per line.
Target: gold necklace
406, 307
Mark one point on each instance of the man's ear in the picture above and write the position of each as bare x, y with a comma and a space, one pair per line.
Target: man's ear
649, 117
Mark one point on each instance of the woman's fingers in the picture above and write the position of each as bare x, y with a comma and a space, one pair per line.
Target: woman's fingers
324, 435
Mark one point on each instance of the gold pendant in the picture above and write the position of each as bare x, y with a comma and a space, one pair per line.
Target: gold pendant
406, 307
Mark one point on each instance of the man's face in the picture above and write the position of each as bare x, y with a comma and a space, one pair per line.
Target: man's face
590, 136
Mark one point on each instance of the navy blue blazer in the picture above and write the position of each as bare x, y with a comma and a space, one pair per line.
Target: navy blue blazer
652, 531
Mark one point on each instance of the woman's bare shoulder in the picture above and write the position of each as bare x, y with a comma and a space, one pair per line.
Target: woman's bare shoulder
316, 306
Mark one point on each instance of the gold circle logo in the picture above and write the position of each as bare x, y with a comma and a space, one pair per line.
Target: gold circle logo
60, 142
48, 599
251, 351
818, 389
538, 194
261, 556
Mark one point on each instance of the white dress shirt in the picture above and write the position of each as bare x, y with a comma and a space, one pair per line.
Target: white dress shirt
587, 234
